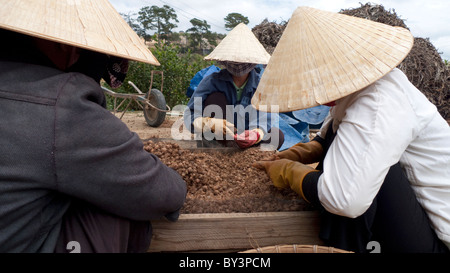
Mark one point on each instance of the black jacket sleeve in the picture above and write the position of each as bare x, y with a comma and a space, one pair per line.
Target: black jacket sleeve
309, 188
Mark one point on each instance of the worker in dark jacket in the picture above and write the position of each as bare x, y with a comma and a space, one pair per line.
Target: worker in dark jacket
73, 177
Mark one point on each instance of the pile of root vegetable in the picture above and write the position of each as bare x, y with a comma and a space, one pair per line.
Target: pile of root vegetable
423, 66
220, 182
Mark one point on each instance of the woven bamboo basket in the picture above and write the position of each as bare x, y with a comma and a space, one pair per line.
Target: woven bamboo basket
296, 249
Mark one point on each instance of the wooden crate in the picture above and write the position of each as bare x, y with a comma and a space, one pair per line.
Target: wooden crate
227, 232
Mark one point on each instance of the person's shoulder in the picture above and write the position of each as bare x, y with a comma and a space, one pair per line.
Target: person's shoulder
255, 76
81, 82
215, 78
222, 74
44, 74
33, 71
41, 81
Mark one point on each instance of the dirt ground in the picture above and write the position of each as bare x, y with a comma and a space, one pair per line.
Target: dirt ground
136, 122
225, 182
217, 181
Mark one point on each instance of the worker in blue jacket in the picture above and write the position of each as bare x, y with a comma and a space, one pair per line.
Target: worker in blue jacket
220, 108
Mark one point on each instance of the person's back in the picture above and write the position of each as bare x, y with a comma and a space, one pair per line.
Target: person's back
30, 212
70, 170
58, 141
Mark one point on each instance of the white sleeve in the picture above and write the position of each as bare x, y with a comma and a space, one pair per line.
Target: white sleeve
372, 135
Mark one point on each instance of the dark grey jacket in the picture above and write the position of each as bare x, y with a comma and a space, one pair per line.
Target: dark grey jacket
58, 142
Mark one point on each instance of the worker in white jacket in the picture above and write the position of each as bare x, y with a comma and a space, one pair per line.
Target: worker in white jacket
384, 149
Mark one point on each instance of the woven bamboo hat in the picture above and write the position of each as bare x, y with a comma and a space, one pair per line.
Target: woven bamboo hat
324, 56
90, 24
241, 46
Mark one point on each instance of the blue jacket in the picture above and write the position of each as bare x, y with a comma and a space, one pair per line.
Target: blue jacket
222, 81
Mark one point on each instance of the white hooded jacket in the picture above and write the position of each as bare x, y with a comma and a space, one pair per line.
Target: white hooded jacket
387, 122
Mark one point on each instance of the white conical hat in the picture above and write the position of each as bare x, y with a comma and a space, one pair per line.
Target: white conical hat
324, 56
241, 46
89, 24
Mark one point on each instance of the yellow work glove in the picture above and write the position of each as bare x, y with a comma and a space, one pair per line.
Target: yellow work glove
306, 153
260, 133
286, 173
221, 128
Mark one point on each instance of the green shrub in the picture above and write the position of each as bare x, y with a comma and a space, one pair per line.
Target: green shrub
178, 68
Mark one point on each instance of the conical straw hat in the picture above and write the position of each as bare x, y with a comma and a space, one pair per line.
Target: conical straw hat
89, 24
324, 56
241, 46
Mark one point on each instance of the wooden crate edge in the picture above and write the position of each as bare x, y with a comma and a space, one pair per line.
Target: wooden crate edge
224, 231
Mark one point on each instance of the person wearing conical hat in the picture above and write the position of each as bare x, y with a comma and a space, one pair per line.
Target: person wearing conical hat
383, 178
223, 94
74, 178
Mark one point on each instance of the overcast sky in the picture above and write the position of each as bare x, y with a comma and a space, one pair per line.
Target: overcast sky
426, 19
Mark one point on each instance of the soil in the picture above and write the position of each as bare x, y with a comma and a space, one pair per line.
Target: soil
136, 122
218, 182
225, 181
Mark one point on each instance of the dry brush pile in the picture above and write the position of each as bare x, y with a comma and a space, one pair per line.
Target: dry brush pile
423, 66
269, 33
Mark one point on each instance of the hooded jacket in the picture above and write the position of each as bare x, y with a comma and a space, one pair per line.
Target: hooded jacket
59, 143
388, 122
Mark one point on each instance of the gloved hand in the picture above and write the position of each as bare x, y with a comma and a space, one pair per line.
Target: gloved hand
286, 173
306, 153
221, 128
249, 138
